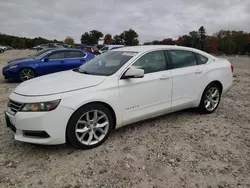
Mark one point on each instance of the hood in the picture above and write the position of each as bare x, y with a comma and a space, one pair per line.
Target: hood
22, 60
56, 83
18, 59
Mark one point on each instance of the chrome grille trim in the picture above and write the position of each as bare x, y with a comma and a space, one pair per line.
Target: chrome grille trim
14, 106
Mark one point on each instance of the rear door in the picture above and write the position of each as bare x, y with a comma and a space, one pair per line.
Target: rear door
188, 78
73, 59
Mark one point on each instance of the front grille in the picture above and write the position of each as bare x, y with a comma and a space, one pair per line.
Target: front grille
14, 106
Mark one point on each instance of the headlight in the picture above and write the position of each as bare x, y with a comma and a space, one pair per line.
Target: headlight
12, 67
41, 106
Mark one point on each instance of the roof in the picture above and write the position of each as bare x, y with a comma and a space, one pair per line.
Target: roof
146, 48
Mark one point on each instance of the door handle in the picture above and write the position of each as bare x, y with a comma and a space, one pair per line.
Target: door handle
198, 71
164, 77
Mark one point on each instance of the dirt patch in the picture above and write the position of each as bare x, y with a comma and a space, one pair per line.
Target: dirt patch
183, 149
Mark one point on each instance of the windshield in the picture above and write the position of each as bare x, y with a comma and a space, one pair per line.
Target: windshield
43, 54
106, 64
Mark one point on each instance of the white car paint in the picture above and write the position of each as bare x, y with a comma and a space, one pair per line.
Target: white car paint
131, 99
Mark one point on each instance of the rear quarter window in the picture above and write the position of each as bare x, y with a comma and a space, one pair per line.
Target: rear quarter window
202, 59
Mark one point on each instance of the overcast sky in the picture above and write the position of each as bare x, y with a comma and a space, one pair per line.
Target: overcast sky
152, 19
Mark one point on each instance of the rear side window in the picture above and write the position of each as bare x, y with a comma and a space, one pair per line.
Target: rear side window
202, 59
57, 55
182, 58
74, 54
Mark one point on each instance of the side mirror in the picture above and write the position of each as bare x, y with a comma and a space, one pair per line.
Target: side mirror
133, 72
46, 59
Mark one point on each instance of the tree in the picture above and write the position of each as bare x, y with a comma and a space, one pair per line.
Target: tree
195, 41
228, 46
211, 45
130, 38
117, 39
69, 40
202, 37
91, 38
108, 39
168, 41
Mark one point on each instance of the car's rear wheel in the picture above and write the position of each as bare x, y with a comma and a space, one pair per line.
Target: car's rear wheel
210, 99
89, 126
27, 74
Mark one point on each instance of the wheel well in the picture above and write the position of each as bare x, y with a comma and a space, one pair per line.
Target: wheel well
218, 83
28, 68
107, 106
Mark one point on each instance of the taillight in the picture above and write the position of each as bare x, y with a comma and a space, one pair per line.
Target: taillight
92, 50
232, 68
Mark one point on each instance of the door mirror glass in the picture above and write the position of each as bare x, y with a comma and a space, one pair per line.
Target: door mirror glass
46, 59
133, 72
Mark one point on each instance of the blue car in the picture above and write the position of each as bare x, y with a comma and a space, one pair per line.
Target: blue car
46, 63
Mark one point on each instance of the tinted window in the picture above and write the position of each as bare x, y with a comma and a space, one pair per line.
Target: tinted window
202, 59
57, 55
106, 64
74, 54
182, 58
151, 62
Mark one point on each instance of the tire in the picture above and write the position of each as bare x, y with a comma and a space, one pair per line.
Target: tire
26, 74
210, 99
83, 129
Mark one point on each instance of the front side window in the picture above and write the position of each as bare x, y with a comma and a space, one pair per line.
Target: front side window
106, 64
57, 55
152, 62
182, 58
73, 54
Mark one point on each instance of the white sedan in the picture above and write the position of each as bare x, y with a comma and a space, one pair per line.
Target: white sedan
83, 106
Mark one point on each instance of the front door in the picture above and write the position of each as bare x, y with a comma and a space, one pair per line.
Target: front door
53, 64
150, 95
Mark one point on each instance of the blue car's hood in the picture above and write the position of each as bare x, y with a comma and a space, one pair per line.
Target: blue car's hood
18, 59
21, 61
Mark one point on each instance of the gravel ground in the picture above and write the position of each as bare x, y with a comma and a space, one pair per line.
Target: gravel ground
183, 149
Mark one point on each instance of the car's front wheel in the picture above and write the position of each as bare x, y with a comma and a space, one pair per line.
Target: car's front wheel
89, 126
210, 99
27, 74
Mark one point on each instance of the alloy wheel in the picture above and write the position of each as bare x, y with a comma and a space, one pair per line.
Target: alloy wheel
26, 74
92, 127
212, 98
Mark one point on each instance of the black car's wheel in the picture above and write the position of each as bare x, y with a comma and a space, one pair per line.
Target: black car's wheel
26, 74
89, 126
210, 98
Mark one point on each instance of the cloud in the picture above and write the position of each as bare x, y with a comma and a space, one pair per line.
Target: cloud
152, 19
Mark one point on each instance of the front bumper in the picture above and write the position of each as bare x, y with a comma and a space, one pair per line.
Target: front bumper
11, 74
40, 127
